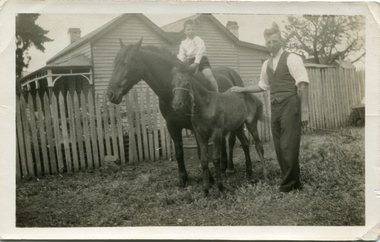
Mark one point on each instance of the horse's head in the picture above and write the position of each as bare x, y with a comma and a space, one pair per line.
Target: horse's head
181, 88
128, 70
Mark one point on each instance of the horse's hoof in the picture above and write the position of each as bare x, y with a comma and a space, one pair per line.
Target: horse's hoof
205, 193
220, 187
182, 183
252, 181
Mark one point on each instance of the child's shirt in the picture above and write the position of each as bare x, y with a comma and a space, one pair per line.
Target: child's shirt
191, 48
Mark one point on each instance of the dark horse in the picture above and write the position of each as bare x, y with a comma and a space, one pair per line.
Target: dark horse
214, 115
154, 65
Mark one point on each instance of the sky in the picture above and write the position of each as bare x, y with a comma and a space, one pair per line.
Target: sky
251, 28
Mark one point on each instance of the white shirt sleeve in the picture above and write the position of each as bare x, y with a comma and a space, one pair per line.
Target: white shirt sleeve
297, 69
181, 54
201, 49
263, 82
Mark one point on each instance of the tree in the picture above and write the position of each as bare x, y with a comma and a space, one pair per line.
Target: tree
28, 34
326, 37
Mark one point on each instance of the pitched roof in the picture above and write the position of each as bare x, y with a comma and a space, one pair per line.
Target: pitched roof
177, 28
75, 60
101, 31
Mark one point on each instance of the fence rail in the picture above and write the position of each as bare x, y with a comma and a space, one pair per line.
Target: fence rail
75, 131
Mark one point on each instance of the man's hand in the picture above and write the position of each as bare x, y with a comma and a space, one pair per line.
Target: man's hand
237, 89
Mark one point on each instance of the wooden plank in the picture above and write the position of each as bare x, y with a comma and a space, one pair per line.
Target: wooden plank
42, 133
132, 157
50, 135
99, 127
34, 133
27, 141
57, 133
134, 109
20, 140
328, 100
106, 127
321, 103
86, 132
315, 86
149, 125
162, 136
141, 111
73, 134
348, 94
18, 166
343, 90
168, 139
65, 133
336, 98
312, 105
113, 130
79, 131
332, 99
155, 127
94, 142
119, 125
339, 96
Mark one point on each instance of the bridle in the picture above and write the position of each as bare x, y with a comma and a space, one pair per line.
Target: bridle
192, 104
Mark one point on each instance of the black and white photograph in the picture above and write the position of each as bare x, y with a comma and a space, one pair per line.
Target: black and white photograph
193, 121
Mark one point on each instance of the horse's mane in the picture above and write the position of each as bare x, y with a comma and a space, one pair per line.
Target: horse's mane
162, 52
197, 77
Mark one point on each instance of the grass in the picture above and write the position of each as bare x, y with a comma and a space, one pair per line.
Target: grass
332, 171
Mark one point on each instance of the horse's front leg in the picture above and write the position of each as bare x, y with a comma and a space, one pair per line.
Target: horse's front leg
176, 134
231, 144
252, 127
245, 145
203, 146
217, 140
211, 178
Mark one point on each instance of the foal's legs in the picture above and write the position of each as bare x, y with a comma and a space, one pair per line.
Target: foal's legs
252, 127
203, 145
231, 144
211, 178
245, 145
217, 139
176, 134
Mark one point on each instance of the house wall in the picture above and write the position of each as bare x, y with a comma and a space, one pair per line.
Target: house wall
250, 63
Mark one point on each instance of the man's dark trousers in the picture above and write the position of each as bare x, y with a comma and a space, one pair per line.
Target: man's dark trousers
286, 131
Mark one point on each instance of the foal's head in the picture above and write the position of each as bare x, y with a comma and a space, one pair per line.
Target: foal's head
182, 93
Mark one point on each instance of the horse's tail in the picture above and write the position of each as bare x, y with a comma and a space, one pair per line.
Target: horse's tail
253, 100
236, 79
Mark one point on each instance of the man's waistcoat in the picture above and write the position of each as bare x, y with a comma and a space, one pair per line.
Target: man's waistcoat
282, 84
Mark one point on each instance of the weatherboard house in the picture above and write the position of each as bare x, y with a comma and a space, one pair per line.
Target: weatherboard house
86, 64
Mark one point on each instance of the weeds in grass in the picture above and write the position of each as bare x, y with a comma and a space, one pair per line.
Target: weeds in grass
332, 171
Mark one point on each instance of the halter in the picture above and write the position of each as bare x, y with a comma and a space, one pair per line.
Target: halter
191, 98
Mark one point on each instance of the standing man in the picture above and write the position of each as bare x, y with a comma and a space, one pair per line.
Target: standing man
284, 74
